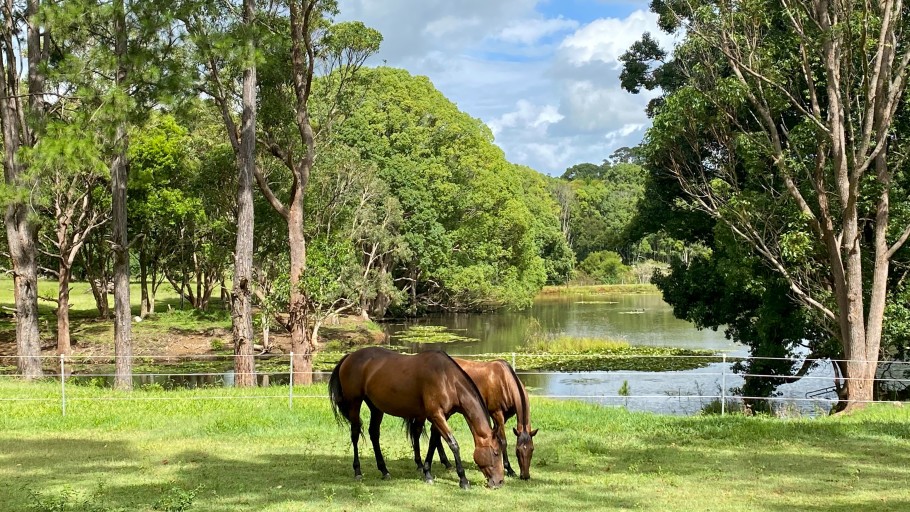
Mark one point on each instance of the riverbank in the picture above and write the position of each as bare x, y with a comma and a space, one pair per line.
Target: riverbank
245, 449
177, 333
598, 289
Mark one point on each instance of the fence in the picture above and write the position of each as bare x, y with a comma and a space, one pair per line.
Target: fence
675, 391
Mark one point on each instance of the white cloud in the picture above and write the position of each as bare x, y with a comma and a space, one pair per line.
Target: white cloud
527, 115
546, 84
448, 25
606, 39
530, 31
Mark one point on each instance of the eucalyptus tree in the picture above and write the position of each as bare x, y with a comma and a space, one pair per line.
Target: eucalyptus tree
781, 126
311, 47
23, 107
224, 37
71, 177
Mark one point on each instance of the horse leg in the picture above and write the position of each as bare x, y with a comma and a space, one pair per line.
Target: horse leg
499, 430
439, 422
356, 431
435, 444
375, 421
443, 458
415, 430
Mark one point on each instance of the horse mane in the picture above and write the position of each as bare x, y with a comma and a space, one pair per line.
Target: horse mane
473, 386
526, 415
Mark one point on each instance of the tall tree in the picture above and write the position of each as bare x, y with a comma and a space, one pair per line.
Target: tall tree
782, 129
22, 114
338, 50
215, 29
123, 326
242, 291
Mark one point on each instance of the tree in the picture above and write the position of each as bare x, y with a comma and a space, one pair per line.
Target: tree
603, 266
291, 138
216, 32
796, 155
477, 228
22, 115
71, 174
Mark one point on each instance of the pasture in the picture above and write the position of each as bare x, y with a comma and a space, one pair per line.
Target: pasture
212, 450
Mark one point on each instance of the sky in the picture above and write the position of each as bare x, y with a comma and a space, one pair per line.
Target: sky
542, 74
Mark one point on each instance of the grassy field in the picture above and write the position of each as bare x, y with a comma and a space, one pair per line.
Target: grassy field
201, 451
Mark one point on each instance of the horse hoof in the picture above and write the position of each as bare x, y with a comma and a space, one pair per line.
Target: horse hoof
386, 476
449, 467
358, 477
511, 473
464, 484
429, 480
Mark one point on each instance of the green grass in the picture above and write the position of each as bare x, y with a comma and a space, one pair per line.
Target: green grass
199, 452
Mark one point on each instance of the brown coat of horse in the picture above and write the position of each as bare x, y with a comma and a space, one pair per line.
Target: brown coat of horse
505, 396
425, 386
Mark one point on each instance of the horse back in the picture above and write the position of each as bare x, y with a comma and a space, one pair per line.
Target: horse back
495, 382
400, 385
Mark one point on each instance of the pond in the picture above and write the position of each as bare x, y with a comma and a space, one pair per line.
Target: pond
640, 319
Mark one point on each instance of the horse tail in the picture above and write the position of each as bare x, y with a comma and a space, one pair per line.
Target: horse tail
415, 430
336, 395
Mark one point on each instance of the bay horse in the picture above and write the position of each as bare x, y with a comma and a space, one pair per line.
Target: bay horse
425, 386
505, 397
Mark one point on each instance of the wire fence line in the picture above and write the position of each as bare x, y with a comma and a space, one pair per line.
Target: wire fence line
590, 385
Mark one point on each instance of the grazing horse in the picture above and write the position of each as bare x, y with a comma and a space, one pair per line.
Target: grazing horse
426, 386
505, 397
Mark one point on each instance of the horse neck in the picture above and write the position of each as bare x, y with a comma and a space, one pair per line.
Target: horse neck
519, 398
475, 413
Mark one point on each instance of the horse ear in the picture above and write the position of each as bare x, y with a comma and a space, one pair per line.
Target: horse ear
534, 432
515, 430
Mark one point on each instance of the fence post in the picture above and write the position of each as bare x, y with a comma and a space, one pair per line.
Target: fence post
62, 386
291, 384
513, 359
723, 387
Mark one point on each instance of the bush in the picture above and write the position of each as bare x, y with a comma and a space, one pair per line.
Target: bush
603, 266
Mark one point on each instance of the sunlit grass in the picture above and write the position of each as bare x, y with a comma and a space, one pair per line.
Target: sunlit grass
570, 344
224, 452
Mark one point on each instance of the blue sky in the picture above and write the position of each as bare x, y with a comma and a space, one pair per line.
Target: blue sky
542, 74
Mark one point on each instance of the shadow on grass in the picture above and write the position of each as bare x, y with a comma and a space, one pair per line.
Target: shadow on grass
130, 480
727, 464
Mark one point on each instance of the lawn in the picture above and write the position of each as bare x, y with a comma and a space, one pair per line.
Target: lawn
213, 450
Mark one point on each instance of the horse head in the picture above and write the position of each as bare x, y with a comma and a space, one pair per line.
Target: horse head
524, 449
489, 460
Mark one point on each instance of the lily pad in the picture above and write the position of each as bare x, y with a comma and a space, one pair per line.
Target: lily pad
430, 334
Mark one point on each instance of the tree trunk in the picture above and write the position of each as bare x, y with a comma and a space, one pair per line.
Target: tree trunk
63, 310
145, 304
123, 346
21, 235
99, 292
123, 342
242, 290
302, 344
